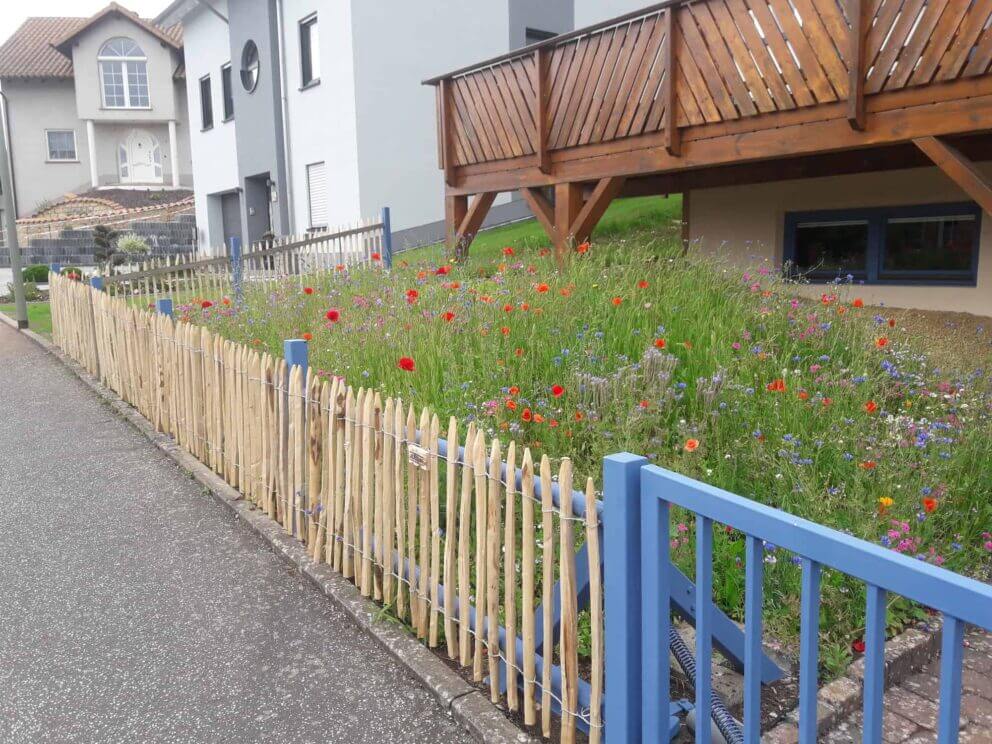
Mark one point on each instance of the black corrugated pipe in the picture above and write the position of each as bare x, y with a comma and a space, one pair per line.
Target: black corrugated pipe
725, 722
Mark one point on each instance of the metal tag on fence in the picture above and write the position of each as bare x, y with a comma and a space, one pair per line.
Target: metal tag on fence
418, 456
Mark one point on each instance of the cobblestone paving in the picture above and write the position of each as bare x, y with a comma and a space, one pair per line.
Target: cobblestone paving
911, 707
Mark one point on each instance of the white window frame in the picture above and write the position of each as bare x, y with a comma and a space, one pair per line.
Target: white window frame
108, 61
48, 147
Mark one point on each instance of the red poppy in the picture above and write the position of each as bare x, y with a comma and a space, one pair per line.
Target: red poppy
442, 270
376, 257
206, 303
557, 390
308, 290
617, 301
508, 308
448, 316
511, 404
776, 386
660, 343
308, 336
544, 252
333, 315
553, 423
579, 415
691, 445
803, 395
412, 295
226, 301
644, 403
858, 302
406, 364
505, 331
508, 251
892, 322
538, 418
827, 401
871, 406
643, 284
514, 390
527, 415
858, 646
929, 505
868, 465
339, 267
583, 247
454, 285
542, 287
881, 342
518, 351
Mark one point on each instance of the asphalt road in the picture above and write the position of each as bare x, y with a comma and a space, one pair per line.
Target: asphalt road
134, 608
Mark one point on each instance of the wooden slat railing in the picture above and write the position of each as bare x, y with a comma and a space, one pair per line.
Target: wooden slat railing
732, 59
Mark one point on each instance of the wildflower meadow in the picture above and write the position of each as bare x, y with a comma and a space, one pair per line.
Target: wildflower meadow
824, 407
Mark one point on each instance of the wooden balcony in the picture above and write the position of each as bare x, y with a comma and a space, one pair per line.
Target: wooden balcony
691, 92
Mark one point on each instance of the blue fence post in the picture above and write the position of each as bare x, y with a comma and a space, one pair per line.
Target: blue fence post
96, 282
55, 268
387, 239
237, 266
622, 586
164, 306
296, 351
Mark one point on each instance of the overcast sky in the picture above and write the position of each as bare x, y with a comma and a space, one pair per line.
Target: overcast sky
14, 12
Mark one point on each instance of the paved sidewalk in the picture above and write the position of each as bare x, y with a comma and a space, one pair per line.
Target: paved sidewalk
134, 608
911, 708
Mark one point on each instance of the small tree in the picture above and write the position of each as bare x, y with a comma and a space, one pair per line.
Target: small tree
104, 248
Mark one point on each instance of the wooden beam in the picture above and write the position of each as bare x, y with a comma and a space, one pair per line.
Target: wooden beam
472, 221
857, 12
959, 169
568, 204
673, 143
447, 132
543, 209
592, 211
542, 119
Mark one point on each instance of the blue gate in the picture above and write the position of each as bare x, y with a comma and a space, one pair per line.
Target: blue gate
638, 593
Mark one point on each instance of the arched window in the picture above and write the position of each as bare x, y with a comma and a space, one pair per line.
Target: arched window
123, 74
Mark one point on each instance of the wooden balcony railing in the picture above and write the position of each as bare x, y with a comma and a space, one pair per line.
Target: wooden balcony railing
709, 62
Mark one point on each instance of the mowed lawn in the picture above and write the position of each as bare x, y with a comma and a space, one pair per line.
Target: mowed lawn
39, 316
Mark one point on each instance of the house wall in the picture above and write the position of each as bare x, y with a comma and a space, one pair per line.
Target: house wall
34, 107
258, 132
162, 62
746, 224
322, 118
214, 151
588, 12
555, 16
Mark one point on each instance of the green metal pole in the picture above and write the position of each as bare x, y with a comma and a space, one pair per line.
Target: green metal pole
10, 230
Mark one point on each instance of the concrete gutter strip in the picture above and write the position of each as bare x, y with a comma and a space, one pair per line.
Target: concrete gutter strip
471, 708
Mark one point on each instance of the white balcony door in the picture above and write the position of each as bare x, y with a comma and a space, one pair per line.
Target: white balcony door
140, 158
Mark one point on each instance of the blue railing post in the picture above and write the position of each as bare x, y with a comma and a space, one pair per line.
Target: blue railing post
622, 586
297, 353
96, 282
55, 268
164, 306
237, 266
387, 239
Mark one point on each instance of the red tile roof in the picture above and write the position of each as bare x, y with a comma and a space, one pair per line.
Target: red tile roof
31, 51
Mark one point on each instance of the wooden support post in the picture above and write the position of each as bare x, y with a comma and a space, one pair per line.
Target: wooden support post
447, 134
959, 169
686, 232
673, 140
455, 209
463, 220
568, 204
542, 93
857, 42
592, 211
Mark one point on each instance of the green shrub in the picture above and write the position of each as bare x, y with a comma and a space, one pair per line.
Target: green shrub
35, 273
31, 291
132, 244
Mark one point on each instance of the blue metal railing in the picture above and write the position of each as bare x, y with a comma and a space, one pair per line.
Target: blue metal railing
637, 553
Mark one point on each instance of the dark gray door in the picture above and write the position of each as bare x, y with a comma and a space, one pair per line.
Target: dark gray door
230, 207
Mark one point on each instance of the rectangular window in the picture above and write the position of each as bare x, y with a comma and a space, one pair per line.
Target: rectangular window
309, 51
225, 84
125, 84
536, 35
61, 144
206, 103
317, 195
925, 244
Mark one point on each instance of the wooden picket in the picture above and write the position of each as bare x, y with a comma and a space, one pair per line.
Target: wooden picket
448, 540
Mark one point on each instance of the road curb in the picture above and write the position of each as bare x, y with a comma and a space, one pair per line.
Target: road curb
484, 721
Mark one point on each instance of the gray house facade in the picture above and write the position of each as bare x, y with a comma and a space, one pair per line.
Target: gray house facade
92, 103
308, 114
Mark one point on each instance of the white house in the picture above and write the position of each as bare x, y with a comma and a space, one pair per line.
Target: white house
311, 113
94, 102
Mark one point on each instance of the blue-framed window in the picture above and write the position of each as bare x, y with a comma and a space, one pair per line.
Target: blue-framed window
920, 244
